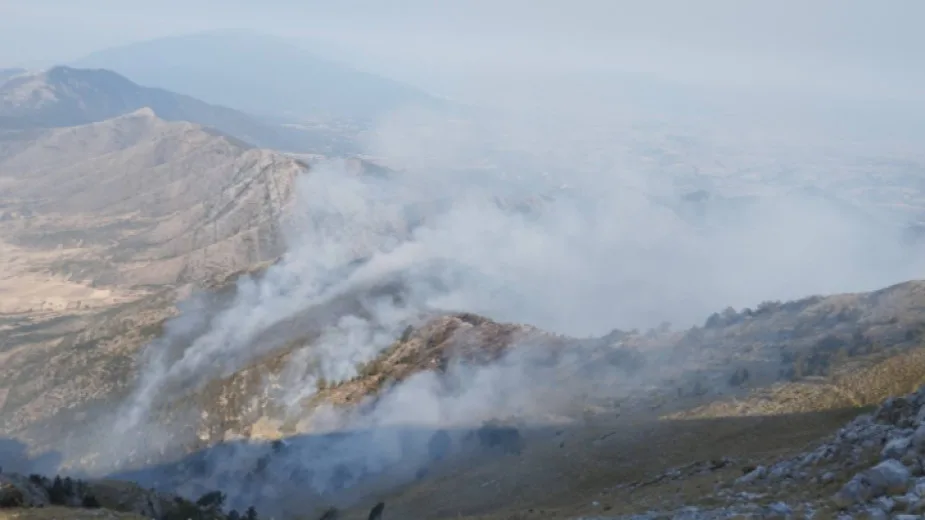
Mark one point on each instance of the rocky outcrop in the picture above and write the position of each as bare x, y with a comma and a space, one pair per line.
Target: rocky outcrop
873, 467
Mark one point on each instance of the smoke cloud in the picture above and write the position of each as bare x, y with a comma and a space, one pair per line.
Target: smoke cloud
573, 228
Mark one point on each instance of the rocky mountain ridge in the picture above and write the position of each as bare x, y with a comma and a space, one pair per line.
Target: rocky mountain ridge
259, 73
104, 224
123, 190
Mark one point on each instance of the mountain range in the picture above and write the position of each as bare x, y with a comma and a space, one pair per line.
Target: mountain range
260, 74
65, 96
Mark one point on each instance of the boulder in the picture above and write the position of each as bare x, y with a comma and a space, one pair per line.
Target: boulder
888, 477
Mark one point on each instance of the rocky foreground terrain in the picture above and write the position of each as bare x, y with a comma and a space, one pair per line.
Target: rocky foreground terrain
870, 468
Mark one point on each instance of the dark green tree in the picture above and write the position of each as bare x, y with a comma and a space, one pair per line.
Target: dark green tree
213, 500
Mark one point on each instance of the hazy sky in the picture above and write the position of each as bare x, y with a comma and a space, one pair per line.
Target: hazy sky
857, 47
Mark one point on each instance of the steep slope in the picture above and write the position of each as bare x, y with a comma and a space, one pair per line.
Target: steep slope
257, 73
64, 96
137, 200
100, 223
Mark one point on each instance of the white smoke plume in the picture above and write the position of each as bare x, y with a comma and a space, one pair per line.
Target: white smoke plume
571, 240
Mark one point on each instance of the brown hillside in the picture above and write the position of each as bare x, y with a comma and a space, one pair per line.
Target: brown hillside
139, 201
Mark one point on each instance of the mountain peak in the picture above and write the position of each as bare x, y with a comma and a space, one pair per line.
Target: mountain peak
143, 112
61, 75
68, 96
256, 73
65, 96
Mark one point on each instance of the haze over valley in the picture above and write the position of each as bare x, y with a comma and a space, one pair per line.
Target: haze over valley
373, 259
